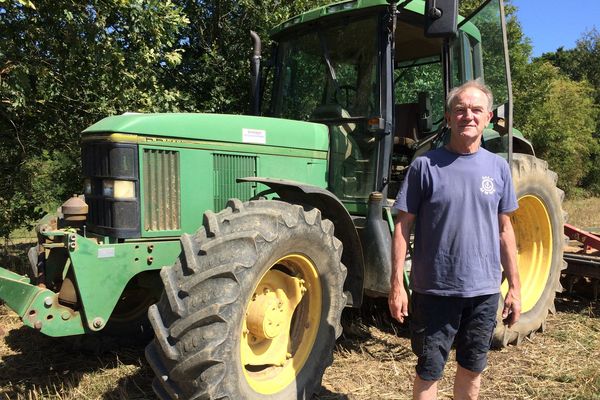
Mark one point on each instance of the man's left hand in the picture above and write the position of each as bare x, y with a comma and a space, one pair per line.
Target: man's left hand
512, 308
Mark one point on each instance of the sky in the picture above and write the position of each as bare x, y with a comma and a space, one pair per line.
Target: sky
551, 24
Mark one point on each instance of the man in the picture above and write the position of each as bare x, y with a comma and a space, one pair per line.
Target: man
460, 197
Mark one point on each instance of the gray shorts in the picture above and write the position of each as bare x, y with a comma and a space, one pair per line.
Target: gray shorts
438, 321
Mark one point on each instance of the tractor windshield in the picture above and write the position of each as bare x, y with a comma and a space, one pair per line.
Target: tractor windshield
330, 74
330, 66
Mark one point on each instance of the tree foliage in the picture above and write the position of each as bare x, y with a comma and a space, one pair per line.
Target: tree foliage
582, 64
559, 116
63, 66
216, 43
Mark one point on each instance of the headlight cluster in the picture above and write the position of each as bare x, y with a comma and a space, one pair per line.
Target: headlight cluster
111, 187
118, 189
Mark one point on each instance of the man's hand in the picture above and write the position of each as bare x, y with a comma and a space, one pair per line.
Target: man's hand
398, 298
512, 308
398, 302
508, 255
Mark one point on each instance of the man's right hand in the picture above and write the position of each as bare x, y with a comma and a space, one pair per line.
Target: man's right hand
398, 302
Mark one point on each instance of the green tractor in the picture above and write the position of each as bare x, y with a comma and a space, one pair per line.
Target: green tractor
249, 296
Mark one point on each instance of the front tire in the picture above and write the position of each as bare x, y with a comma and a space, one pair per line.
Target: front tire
252, 308
538, 225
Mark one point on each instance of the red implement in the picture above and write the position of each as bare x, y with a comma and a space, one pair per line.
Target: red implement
587, 238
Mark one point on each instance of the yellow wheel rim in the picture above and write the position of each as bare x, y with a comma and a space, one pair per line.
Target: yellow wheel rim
281, 324
533, 232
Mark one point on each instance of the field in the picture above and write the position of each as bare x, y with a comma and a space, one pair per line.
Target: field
372, 359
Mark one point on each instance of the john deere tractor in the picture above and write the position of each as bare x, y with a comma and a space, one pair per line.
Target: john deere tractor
252, 233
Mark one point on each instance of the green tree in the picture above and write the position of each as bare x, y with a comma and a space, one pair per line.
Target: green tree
519, 45
582, 64
217, 48
559, 115
63, 66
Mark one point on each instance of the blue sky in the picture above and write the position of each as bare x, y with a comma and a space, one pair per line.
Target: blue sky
554, 23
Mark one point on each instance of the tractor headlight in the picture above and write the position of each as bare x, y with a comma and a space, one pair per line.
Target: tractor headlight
118, 189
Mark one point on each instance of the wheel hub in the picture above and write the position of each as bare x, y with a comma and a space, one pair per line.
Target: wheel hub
268, 310
280, 326
269, 317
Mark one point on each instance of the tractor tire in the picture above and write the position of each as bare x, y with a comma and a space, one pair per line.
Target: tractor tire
538, 225
129, 318
252, 308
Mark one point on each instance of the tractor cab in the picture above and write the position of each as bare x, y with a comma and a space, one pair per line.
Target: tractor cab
379, 78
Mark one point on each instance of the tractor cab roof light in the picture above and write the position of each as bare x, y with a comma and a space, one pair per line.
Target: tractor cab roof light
341, 7
291, 22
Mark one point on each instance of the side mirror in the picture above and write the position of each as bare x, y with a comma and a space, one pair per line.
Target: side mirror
441, 18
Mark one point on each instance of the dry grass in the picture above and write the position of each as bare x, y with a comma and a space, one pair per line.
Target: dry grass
584, 213
561, 363
372, 361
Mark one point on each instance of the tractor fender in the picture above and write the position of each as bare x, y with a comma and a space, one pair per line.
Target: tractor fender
497, 143
332, 209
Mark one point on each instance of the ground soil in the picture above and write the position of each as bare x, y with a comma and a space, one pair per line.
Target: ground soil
372, 360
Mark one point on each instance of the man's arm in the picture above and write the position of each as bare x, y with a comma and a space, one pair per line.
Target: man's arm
508, 257
398, 298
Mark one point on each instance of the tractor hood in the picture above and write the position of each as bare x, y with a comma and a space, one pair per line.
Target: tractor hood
174, 127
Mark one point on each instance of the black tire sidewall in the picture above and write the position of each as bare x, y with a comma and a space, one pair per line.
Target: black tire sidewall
311, 242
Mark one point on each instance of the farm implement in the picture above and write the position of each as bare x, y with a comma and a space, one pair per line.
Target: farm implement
583, 261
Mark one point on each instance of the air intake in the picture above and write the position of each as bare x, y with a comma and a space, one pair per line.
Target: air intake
162, 204
227, 168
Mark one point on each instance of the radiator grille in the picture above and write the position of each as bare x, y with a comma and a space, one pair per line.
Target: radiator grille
162, 204
227, 168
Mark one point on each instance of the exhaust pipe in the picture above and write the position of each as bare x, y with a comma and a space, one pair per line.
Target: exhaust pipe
255, 77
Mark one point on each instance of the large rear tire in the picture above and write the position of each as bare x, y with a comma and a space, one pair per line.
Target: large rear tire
252, 308
538, 225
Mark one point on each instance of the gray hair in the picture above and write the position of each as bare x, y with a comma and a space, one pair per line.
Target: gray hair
477, 84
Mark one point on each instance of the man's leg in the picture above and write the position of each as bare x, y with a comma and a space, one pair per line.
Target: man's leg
466, 384
434, 322
424, 390
473, 343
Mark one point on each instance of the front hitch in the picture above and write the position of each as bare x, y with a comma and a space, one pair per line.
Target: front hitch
38, 307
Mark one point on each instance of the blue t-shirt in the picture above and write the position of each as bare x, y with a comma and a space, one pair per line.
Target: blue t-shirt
456, 199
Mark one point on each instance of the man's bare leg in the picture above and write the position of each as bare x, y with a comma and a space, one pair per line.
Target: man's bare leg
424, 390
466, 384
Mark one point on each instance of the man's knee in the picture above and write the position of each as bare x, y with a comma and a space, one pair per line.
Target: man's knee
467, 373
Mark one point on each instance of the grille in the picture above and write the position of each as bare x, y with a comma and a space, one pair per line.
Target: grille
227, 168
162, 204
110, 216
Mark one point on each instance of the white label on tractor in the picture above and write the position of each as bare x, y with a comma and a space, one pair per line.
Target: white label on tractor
254, 136
106, 252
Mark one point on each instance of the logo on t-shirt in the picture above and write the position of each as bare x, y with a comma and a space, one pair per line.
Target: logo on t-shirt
487, 185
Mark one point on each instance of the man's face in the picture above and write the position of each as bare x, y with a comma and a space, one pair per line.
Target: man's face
469, 115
